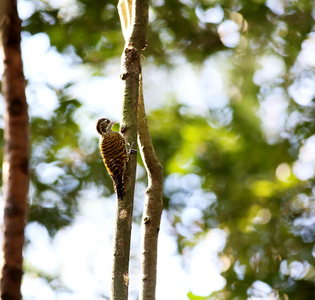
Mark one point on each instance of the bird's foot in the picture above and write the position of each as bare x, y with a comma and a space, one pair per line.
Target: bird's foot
130, 149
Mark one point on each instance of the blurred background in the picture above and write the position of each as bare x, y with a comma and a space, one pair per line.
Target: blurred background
229, 88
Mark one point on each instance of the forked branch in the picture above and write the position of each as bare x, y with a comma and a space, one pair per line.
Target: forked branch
133, 15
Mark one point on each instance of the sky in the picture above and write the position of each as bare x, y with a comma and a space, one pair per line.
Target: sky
81, 253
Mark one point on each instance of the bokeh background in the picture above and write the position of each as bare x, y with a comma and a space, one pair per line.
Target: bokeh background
229, 88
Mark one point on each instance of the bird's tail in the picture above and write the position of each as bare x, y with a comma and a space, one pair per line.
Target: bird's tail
119, 187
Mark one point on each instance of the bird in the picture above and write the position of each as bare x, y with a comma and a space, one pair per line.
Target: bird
114, 154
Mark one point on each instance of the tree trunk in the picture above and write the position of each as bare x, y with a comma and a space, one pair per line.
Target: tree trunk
131, 69
16, 152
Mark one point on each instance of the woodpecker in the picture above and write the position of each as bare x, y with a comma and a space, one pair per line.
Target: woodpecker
114, 153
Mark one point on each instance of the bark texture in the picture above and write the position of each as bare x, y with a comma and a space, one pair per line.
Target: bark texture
135, 27
16, 152
153, 205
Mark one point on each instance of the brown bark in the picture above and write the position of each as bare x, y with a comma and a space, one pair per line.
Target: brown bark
16, 152
153, 205
135, 36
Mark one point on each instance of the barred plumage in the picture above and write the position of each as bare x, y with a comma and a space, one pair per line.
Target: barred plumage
113, 149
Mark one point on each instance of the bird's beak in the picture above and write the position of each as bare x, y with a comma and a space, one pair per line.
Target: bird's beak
112, 123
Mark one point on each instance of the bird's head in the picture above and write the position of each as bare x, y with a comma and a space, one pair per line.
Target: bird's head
104, 125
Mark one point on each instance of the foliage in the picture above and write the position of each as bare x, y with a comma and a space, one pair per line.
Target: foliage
246, 169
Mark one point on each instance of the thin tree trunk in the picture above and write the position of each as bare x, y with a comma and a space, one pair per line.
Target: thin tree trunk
16, 152
131, 69
153, 205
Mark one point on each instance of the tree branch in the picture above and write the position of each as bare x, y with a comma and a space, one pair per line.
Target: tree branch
153, 206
